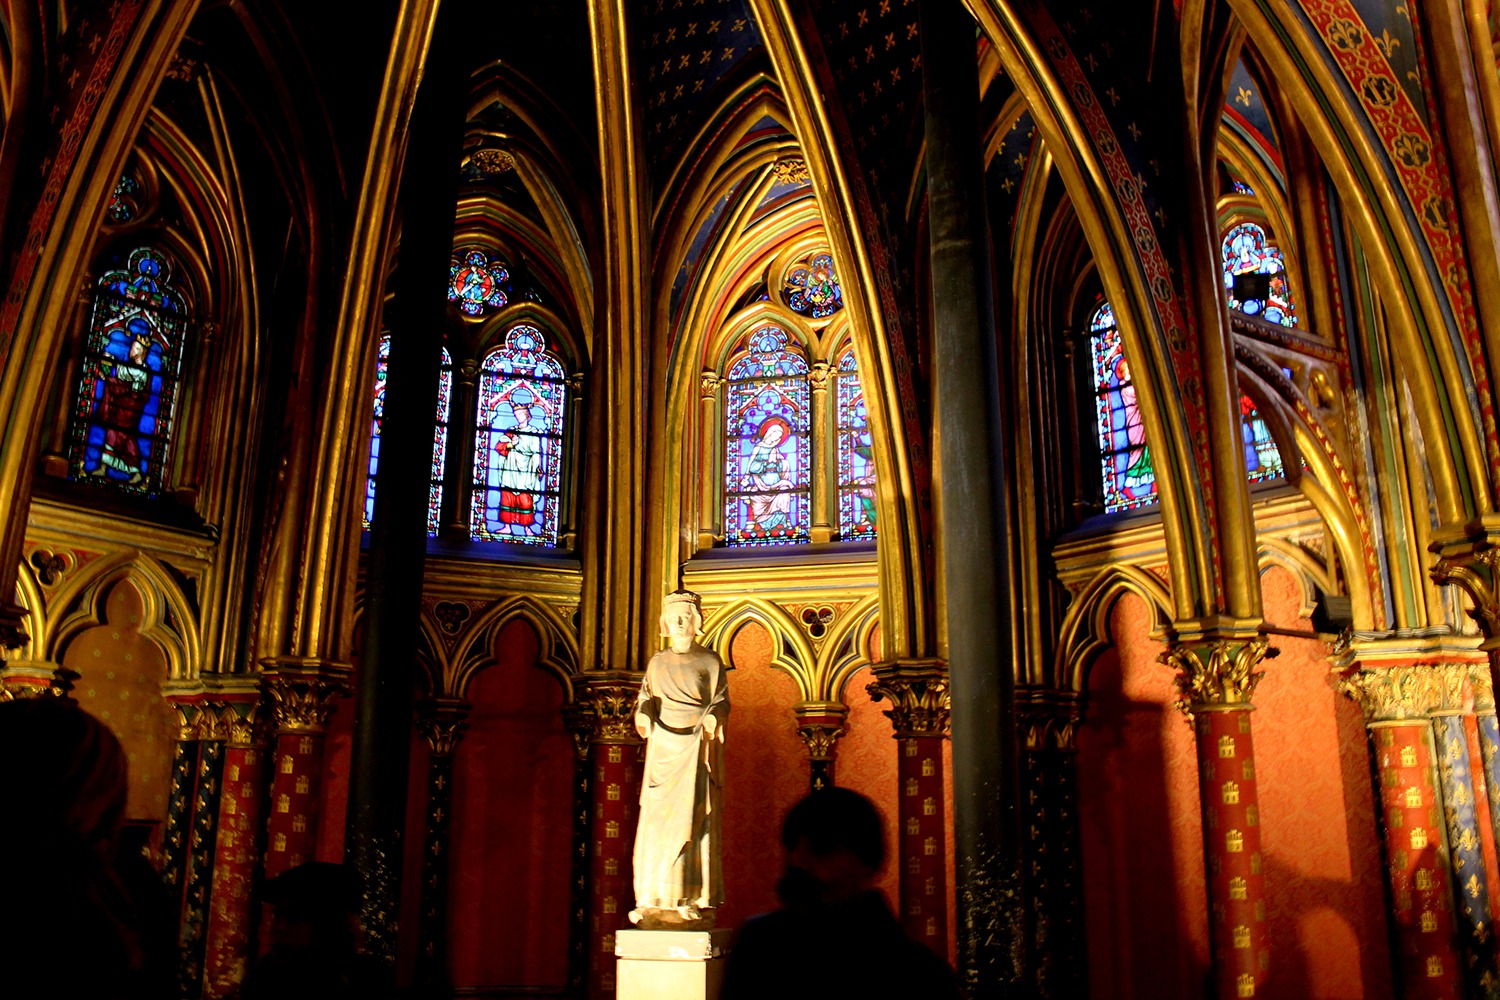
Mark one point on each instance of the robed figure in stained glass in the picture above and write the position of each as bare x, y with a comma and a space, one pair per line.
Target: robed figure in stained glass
768, 468
124, 393
520, 470
769, 471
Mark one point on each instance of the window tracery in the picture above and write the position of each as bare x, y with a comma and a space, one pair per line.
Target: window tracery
439, 439
856, 459
812, 287
768, 453
478, 282
1245, 250
123, 412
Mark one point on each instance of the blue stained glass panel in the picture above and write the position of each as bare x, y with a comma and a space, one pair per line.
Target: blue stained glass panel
1262, 459
122, 416
768, 462
518, 442
855, 454
1129, 479
1245, 251
440, 445
382, 368
813, 287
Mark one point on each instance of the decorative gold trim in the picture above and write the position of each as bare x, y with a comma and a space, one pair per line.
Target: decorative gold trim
917, 690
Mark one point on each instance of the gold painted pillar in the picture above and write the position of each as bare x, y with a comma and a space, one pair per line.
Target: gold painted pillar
614, 763
1216, 676
918, 694
711, 439
821, 377
820, 724
302, 699
442, 722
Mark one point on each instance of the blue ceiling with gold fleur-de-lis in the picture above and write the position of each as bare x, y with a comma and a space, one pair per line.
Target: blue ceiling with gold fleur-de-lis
688, 52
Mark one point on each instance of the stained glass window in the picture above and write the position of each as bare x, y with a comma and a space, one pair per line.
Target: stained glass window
1129, 480
122, 418
478, 282
122, 201
1245, 251
1240, 187
812, 287
1262, 460
439, 437
440, 444
768, 461
382, 367
856, 455
518, 442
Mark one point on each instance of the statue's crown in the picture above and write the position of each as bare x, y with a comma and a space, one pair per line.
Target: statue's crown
682, 597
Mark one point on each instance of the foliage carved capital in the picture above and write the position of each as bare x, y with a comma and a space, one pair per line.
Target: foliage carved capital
606, 709
820, 724
708, 384
1217, 672
918, 694
1048, 718
791, 170
442, 722
1398, 693
303, 694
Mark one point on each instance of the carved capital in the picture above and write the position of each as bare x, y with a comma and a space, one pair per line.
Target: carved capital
1048, 718
35, 680
303, 694
819, 376
918, 694
606, 708
708, 384
442, 722
1475, 569
820, 724
1398, 693
1217, 672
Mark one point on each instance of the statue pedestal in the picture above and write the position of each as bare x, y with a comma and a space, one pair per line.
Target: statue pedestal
670, 965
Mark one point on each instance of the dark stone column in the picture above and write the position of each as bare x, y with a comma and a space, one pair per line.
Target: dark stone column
398, 532
441, 722
971, 507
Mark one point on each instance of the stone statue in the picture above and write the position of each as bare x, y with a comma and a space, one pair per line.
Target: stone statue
680, 713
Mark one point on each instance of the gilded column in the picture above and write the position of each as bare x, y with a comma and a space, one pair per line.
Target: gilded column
1049, 720
918, 694
819, 378
1216, 676
614, 805
1396, 700
442, 722
820, 724
227, 950
711, 438
301, 700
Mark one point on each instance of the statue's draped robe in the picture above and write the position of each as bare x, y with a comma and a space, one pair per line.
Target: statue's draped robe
677, 843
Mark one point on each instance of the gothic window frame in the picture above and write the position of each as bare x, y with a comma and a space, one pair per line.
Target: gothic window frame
820, 507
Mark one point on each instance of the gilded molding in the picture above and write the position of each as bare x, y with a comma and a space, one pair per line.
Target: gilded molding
1216, 673
1399, 693
919, 696
791, 170
442, 722
708, 384
303, 696
1475, 569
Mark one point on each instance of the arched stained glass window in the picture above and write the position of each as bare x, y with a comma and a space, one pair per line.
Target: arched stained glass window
1245, 251
478, 282
1129, 480
518, 442
440, 444
1262, 460
382, 368
122, 417
856, 455
768, 464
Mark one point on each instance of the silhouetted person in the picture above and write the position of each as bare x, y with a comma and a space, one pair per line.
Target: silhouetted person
65, 913
835, 934
314, 939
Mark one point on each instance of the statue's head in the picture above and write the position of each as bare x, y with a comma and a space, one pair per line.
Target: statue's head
681, 615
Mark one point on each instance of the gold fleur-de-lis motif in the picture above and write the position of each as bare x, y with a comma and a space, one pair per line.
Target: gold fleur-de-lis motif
1386, 44
1243, 97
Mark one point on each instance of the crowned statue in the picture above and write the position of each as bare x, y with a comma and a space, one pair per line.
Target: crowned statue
680, 713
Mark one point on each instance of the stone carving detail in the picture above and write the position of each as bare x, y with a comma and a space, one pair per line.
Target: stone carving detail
303, 697
792, 170
1476, 572
442, 722
1392, 694
1216, 672
918, 693
605, 711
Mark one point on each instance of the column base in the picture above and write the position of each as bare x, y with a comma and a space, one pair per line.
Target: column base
670, 965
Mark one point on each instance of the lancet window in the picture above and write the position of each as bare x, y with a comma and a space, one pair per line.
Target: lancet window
1245, 250
856, 459
122, 418
518, 442
1262, 459
768, 452
439, 440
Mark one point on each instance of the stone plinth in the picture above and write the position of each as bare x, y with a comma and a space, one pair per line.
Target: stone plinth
670, 965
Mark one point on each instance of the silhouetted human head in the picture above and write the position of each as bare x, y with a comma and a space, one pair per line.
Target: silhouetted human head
65, 782
835, 845
314, 907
